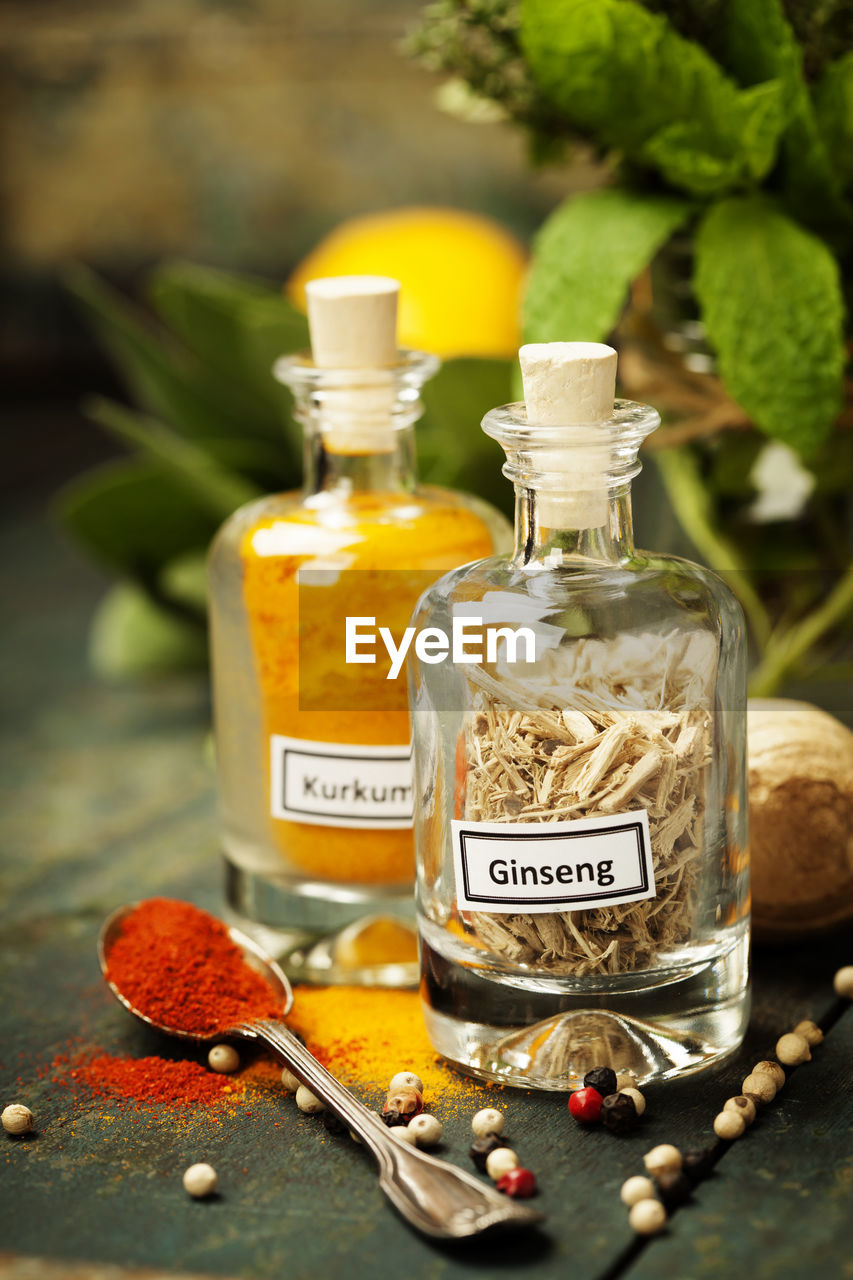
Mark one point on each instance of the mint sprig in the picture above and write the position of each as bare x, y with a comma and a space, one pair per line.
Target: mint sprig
771, 301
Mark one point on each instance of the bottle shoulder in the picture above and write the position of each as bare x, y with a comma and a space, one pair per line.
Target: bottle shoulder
429, 527
269, 506
647, 585
359, 507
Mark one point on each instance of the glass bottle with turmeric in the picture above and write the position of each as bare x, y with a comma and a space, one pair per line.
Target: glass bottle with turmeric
313, 750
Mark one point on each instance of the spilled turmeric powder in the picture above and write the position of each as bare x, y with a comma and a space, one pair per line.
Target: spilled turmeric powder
365, 1035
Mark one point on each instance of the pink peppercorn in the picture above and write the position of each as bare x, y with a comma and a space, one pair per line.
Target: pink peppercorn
401, 1106
518, 1183
585, 1105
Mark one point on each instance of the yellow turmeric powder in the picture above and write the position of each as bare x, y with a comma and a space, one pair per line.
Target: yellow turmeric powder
375, 534
365, 1036
313, 751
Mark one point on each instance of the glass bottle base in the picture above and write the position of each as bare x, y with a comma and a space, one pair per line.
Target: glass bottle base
546, 1034
327, 933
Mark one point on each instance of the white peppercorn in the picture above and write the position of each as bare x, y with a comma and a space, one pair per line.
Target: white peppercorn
810, 1031
291, 1082
760, 1087
500, 1161
729, 1125
306, 1102
771, 1068
663, 1159
637, 1099
741, 1106
487, 1121
647, 1217
843, 982
223, 1058
792, 1049
17, 1119
426, 1128
200, 1180
637, 1188
403, 1133
405, 1080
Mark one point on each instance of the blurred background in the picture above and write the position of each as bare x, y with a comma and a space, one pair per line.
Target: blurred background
173, 170
232, 132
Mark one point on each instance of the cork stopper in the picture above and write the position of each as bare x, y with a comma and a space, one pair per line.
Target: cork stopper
353, 321
568, 382
571, 385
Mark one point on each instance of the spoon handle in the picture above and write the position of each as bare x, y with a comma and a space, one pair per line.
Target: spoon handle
434, 1196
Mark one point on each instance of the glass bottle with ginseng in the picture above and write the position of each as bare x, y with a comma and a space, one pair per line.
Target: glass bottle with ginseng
582, 856
313, 750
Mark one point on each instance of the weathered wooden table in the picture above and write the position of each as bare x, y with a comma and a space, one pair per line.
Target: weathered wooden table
107, 796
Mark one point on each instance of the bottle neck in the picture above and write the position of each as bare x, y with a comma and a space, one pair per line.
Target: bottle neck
545, 540
358, 423
572, 484
328, 469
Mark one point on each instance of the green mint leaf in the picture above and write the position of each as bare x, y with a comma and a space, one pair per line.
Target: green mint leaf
108, 511
771, 302
679, 153
629, 79
215, 487
834, 110
759, 42
212, 374
761, 45
185, 581
452, 450
131, 635
685, 153
585, 257
236, 325
156, 370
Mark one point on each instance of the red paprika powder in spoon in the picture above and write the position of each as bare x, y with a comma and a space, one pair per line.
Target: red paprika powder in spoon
177, 966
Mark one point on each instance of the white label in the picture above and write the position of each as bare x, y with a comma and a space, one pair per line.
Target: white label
334, 784
503, 867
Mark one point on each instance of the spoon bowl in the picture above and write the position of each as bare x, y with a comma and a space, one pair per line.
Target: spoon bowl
255, 957
435, 1197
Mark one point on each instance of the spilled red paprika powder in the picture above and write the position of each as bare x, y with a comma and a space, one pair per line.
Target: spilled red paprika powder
146, 1080
177, 965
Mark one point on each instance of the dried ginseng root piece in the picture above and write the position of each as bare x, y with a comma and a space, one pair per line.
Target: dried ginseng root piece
622, 725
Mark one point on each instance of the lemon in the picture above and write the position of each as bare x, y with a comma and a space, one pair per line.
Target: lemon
460, 274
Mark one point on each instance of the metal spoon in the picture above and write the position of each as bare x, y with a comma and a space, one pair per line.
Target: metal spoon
435, 1197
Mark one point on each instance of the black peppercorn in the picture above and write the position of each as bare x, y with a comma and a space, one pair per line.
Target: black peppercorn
393, 1118
333, 1124
618, 1113
673, 1187
697, 1163
601, 1078
481, 1149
